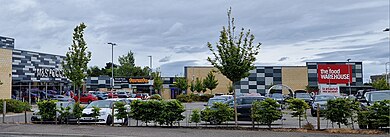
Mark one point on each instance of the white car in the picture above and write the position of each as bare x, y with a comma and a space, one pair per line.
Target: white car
105, 116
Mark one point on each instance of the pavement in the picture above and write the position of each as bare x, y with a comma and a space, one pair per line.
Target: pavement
35, 130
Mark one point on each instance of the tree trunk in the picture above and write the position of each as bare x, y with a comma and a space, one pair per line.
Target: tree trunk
78, 94
269, 125
338, 123
353, 127
235, 107
299, 120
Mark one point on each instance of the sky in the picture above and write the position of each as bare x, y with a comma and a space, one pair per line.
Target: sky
175, 32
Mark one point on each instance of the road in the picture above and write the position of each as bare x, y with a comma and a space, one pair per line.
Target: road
289, 121
35, 130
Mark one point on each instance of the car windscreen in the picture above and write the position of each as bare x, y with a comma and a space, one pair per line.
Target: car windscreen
212, 101
276, 95
379, 96
323, 98
100, 104
302, 96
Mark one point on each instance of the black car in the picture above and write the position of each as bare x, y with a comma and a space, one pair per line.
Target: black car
244, 106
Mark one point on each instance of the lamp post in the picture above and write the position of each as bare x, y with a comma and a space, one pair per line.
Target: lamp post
112, 64
387, 75
150, 62
349, 79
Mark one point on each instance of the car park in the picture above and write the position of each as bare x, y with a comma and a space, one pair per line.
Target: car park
244, 106
321, 100
105, 114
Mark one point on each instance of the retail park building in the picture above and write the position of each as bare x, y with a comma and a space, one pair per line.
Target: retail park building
22, 71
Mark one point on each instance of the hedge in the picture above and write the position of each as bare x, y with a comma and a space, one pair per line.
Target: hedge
15, 106
194, 97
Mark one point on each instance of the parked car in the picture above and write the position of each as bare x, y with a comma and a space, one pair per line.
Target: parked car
36, 118
304, 96
99, 95
244, 106
322, 100
122, 94
277, 97
105, 116
62, 98
112, 95
86, 98
215, 99
374, 96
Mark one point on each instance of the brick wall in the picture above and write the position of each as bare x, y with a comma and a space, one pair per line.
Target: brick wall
5, 73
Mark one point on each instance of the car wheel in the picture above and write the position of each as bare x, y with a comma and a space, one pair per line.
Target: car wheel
109, 120
313, 113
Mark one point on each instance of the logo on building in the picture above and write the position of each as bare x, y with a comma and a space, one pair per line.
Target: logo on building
48, 73
138, 81
335, 74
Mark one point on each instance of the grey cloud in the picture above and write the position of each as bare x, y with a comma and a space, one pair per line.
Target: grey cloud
165, 59
190, 49
283, 59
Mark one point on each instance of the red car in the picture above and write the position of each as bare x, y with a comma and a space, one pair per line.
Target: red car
86, 98
111, 95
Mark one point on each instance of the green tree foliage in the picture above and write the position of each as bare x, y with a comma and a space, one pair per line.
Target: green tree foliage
198, 85
298, 107
218, 113
234, 55
95, 113
338, 110
64, 113
181, 83
195, 116
375, 116
230, 88
157, 81
77, 58
380, 84
121, 112
15, 106
210, 82
1, 83
127, 59
156, 97
136, 111
95, 71
192, 86
77, 111
172, 112
47, 110
266, 111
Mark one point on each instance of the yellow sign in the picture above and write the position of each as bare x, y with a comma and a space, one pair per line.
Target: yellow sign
138, 81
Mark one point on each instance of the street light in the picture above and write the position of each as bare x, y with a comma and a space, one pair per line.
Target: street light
349, 79
387, 75
112, 64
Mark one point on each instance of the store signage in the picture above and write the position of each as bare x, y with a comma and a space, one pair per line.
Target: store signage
48, 73
335, 74
120, 80
329, 89
138, 81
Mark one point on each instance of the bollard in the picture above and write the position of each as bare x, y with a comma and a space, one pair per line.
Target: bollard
25, 116
318, 117
4, 110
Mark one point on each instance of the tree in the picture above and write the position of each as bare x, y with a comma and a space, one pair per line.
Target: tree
266, 111
234, 56
47, 110
298, 107
95, 71
230, 88
198, 85
210, 82
64, 113
77, 111
338, 110
192, 86
1, 83
218, 113
95, 113
195, 116
157, 81
181, 83
121, 112
380, 84
77, 58
127, 59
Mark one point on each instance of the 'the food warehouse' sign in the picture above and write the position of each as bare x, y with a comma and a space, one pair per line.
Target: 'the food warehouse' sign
335, 74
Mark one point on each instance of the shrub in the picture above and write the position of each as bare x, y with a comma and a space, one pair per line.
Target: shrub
77, 111
156, 96
194, 97
205, 97
183, 98
195, 116
136, 110
266, 111
375, 116
121, 111
218, 113
15, 106
338, 110
172, 112
47, 110
64, 113
298, 106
